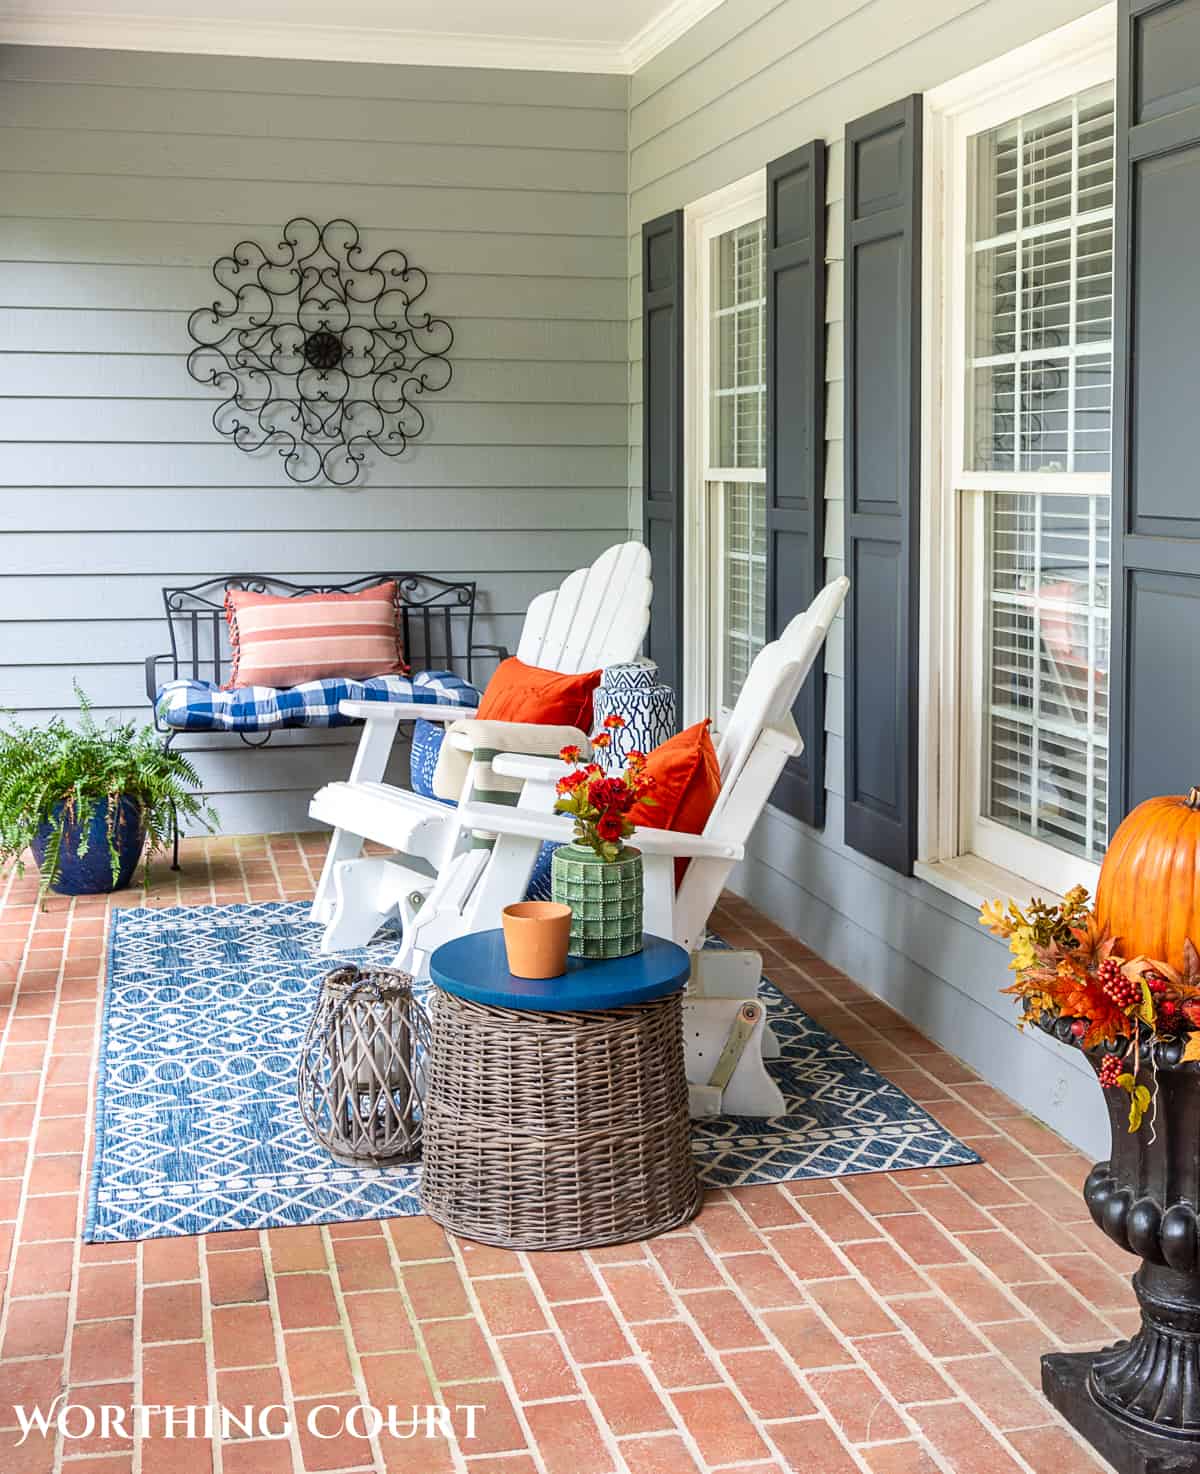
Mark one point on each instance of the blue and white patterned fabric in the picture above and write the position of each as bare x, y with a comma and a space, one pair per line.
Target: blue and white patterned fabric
198, 1128
540, 881
201, 706
423, 759
631, 691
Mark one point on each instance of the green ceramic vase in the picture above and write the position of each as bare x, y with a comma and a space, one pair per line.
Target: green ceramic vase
605, 898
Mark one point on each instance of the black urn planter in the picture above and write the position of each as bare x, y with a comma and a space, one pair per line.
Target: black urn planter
1138, 1402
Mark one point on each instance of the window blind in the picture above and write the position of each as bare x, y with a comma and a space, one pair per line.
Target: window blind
737, 442
1039, 370
737, 412
745, 563
1040, 339
1047, 695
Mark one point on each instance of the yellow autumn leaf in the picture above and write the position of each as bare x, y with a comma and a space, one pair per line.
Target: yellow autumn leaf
1139, 1101
992, 914
1020, 944
1191, 1049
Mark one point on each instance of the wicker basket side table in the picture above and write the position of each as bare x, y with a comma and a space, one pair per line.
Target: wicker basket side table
557, 1113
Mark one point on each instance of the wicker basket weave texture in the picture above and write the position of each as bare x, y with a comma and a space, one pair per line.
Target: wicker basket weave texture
360, 1076
605, 900
558, 1130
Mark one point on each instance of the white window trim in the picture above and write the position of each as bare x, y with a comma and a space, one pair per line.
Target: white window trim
1068, 60
725, 209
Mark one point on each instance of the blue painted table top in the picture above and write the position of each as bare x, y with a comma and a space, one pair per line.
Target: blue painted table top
476, 968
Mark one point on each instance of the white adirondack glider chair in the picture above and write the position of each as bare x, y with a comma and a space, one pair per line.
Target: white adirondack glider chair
726, 1033
598, 616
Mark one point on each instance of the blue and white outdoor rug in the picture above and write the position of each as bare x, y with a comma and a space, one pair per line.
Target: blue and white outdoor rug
198, 1129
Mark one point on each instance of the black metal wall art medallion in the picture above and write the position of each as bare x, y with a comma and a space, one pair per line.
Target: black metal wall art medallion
319, 350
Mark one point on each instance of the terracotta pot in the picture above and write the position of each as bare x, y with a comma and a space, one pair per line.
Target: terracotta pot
536, 935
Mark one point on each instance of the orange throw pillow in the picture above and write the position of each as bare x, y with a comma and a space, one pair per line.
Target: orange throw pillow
527, 693
687, 783
279, 640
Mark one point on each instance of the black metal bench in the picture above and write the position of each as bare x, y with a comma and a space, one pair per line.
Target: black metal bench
436, 618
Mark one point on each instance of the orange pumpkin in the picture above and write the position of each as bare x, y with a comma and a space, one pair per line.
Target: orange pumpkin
1149, 891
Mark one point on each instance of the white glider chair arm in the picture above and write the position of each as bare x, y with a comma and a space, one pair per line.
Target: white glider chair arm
528, 768
467, 758
526, 738
533, 820
531, 824
395, 712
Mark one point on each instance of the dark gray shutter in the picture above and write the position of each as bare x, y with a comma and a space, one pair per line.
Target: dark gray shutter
883, 455
662, 439
795, 516
1155, 700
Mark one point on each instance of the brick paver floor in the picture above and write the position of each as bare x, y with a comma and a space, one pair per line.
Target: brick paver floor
889, 1324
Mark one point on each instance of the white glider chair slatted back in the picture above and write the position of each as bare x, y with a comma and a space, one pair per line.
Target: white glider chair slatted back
752, 750
773, 682
598, 616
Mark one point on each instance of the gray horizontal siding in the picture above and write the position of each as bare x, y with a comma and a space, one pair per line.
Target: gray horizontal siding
182, 288
217, 464
65, 553
748, 83
375, 206
81, 597
126, 175
189, 421
100, 377
165, 244
440, 122
310, 82
184, 511
36, 643
59, 150
95, 330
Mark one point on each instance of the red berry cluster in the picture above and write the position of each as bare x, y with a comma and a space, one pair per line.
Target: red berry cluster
1155, 982
1110, 1068
1116, 987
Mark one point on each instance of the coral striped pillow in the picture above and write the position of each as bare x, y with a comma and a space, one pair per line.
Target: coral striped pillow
282, 641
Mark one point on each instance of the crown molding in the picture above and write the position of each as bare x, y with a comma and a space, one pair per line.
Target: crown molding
676, 20
210, 36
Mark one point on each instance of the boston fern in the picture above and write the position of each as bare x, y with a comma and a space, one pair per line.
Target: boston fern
60, 775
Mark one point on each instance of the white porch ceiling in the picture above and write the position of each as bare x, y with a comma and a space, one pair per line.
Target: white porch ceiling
560, 35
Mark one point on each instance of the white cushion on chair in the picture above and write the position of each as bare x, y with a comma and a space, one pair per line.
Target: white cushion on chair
463, 737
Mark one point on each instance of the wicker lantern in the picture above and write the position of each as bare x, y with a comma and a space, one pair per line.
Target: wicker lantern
362, 1067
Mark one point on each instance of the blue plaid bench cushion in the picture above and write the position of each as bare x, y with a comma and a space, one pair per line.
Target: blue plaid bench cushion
199, 706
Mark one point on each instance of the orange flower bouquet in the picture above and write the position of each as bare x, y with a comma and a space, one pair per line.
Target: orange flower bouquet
599, 802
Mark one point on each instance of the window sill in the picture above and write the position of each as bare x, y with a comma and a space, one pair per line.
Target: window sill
969, 879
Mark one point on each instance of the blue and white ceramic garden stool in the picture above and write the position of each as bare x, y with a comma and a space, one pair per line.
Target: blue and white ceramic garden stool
556, 1112
631, 691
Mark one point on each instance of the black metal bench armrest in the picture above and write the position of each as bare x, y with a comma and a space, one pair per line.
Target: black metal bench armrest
501, 652
152, 681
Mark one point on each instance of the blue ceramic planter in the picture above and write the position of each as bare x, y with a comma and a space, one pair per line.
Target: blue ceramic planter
91, 874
